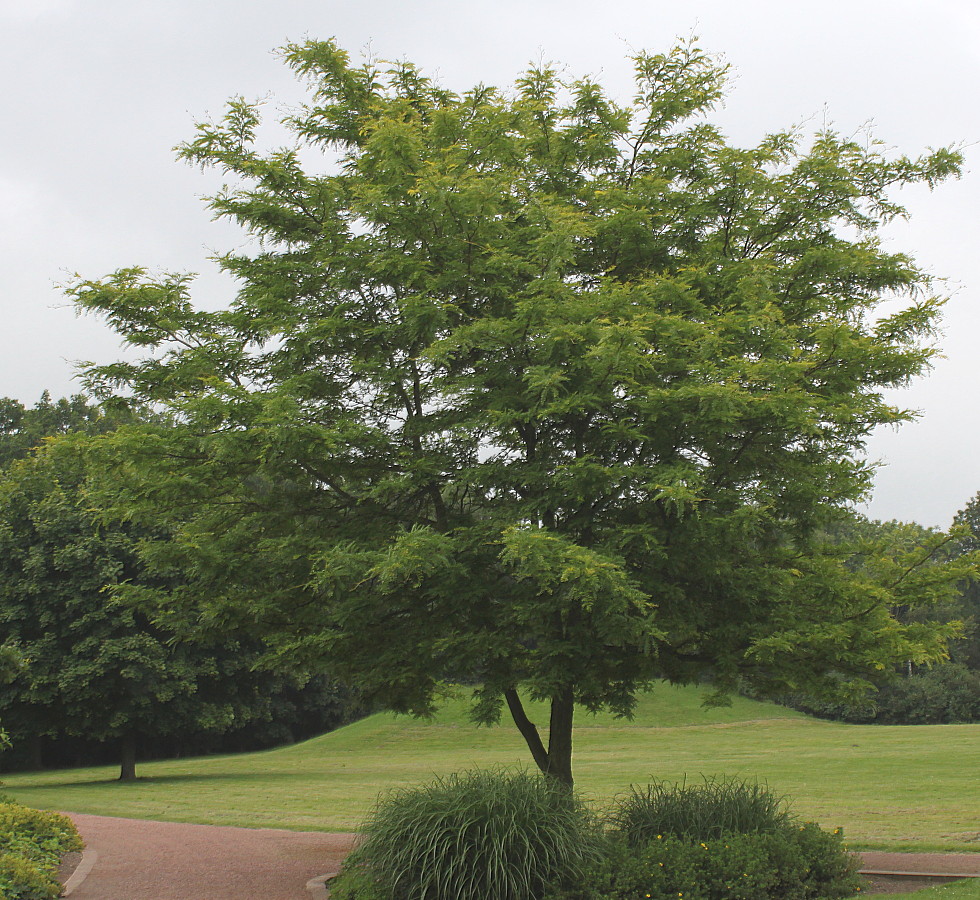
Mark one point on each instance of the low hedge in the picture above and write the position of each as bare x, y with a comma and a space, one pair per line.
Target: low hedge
802, 864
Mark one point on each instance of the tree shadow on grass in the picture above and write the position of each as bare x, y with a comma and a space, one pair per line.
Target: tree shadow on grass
159, 779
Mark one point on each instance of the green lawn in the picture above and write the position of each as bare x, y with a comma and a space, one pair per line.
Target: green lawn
966, 889
889, 787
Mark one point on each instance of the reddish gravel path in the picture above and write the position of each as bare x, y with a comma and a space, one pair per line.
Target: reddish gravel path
144, 860
930, 863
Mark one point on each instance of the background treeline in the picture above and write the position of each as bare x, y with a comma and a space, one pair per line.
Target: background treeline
948, 693
99, 679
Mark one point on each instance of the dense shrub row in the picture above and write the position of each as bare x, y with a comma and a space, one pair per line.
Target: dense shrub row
943, 695
31, 845
499, 836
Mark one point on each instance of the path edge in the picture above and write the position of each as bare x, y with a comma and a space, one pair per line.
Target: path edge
88, 860
317, 887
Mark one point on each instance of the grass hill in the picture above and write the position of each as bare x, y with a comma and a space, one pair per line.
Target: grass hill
889, 787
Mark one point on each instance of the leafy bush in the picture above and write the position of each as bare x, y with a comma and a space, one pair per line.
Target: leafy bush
942, 695
801, 864
720, 840
24, 879
477, 836
31, 844
40, 834
700, 812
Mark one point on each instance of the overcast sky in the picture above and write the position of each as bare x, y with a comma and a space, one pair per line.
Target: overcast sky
97, 92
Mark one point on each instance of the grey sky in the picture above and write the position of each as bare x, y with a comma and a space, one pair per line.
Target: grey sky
97, 92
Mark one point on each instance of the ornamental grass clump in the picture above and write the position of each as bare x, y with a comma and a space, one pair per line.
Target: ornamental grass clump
699, 812
484, 835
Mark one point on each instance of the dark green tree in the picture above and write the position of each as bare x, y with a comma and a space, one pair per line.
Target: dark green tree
98, 668
102, 671
531, 388
94, 667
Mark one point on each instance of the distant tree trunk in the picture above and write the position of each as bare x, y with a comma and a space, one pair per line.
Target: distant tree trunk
127, 771
556, 760
35, 752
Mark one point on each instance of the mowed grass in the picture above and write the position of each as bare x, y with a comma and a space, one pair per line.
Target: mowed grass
888, 787
964, 889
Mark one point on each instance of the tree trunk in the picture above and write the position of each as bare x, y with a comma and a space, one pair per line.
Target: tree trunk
556, 761
127, 770
35, 748
560, 737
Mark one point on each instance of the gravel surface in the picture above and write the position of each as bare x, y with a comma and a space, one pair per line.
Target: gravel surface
945, 863
145, 860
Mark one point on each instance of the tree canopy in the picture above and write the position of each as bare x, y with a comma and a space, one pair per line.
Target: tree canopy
23, 429
533, 388
97, 668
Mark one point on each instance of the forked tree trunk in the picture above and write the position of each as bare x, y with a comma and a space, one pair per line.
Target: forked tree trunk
127, 768
556, 759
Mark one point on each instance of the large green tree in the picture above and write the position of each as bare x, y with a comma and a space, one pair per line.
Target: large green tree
95, 667
99, 669
532, 388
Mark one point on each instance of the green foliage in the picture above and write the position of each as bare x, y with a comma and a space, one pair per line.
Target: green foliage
23, 879
357, 882
531, 388
802, 863
967, 605
698, 812
47, 830
943, 695
11, 664
24, 429
720, 840
478, 836
31, 844
97, 668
